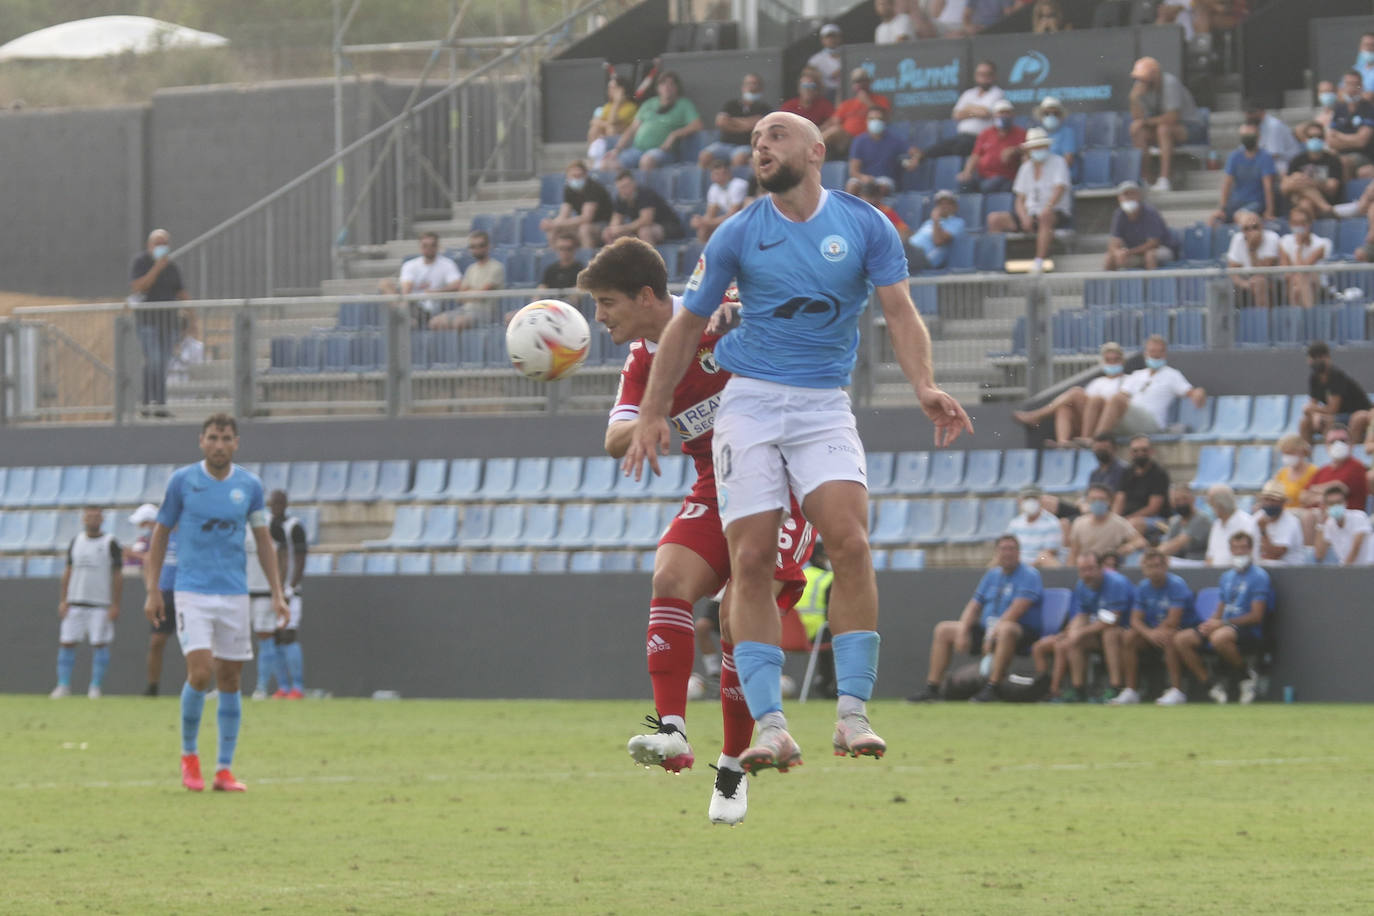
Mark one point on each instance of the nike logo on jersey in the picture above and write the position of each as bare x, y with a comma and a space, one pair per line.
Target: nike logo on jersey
763, 247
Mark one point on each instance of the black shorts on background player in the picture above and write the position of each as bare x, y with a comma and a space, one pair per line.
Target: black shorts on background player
169, 614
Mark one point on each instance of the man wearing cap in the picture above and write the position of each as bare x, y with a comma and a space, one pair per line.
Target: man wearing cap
991, 166
1138, 237
851, 116
827, 61
1280, 530
1063, 139
928, 248
1043, 199
1038, 532
875, 155
973, 111
1161, 110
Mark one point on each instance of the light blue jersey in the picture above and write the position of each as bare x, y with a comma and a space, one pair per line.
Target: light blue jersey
998, 589
1242, 587
1114, 595
213, 516
1155, 603
167, 579
802, 287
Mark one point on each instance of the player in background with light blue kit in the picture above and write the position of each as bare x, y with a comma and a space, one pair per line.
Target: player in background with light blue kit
213, 503
806, 260
1163, 604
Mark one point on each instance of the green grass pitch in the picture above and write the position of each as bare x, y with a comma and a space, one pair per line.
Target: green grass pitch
534, 807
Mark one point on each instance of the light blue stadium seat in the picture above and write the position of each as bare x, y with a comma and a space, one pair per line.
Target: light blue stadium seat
1190, 329
961, 520
879, 559
498, 480
585, 561
302, 481
627, 488
476, 527
407, 528
42, 531
1086, 465
1097, 168
69, 525
464, 478
879, 472
551, 561
565, 478
994, 516
946, 173
275, 476
1231, 421
1252, 328
14, 530
575, 526
18, 485
642, 526
1018, 469
647, 560
947, 471
911, 472
926, 521
11, 567
531, 478
622, 561
1252, 468
507, 522
892, 522
1268, 416
47, 486
990, 252
1206, 601
431, 474
833, 175
599, 477
608, 525
310, 520
128, 488
252, 467
1196, 420
670, 484
1214, 464
364, 481
332, 484
983, 471
319, 564
117, 522
415, 564
1054, 610
71, 490
380, 564
43, 567
907, 558
483, 563
1057, 469
515, 562
450, 564
101, 484
541, 524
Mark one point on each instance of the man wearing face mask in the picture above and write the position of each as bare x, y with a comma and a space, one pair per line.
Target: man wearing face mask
156, 279
810, 102
1364, 62
735, 121
851, 116
1228, 521
1101, 530
1249, 180
1300, 248
1186, 537
1351, 131
1234, 629
1280, 531
1333, 397
1038, 532
586, 208
1314, 182
1343, 531
1343, 469
1148, 394
1044, 199
991, 166
874, 155
1063, 139
1077, 410
974, 112
1138, 236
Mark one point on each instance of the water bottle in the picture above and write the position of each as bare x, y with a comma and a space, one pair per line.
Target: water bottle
386, 695
1288, 693
985, 666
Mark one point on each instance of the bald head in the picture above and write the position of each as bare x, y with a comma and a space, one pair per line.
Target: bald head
1146, 70
159, 237
787, 151
810, 133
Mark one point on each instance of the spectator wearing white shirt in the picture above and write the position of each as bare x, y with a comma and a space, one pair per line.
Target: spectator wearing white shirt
1143, 404
1038, 532
1280, 531
1344, 532
893, 27
973, 111
1176, 12
948, 17
1077, 411
1275, 137
1044, 201
1298, 249
430, 271
828, 61
724, 198
1229, 521
1252, 246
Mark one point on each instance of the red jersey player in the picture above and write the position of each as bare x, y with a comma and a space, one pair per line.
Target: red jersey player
629, 281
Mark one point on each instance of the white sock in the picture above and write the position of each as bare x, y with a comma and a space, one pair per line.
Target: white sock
725, 762
676, 721
775, 719
712, 664
848, 704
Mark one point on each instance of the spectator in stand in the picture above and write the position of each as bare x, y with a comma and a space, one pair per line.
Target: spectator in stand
1362, 207
1280, 531
973, 111
876, 155
1351, 131
1176, 12
1275, 137
1101, 601
1048, 16
1163, 604
979, 14
1233, 630
1343, 531
1149, 394
829, 60
1314, 181
430, 271
585, 211
660, 123
1364, 63
1143, 498
991, 165
1044, 197
1063, 139
1038, 532
810, 101
1138, 236
1252, 246
948, 17
1249, 180
893, 27
851, 117
928, 248
1333, 397
724, 198
483, 274
642, 212
1295, 470
1343, 468
562, 274
1227, 520
1162, 111
1327, 98
872, 192
1076, 410
156, 278
1186, 537
610, 119
735, 122
1101, 530
1002, 616
1300, 248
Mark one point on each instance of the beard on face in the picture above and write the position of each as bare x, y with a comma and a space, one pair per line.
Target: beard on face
784, 179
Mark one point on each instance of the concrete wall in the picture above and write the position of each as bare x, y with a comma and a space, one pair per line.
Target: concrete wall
580, 636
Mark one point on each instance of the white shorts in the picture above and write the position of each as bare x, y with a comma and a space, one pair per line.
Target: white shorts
219, 623
770, 438
1136, 421
265, 619
83, 624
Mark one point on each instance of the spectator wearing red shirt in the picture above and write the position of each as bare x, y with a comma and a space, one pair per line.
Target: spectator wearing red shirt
810, 102
851, 117
872, 191
996, 154
1342, 468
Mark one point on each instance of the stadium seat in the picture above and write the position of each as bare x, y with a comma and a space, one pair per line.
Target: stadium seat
531, 478
515, 562
483, 563
599, 477
983, 471
1252, 467
907, 558
128, 487
947, 172
101, 484
475, 529
302, 481
551, 189
990, 252
415, 564
574, 528
1125, 166
891, 524
926, 521
565, 478
1099, 129
961, 521
879, 473
1057, 468
669, 484
71, 489
42, 533
1351, 235
608, 525
18, 485
507, 523
994, 517
642, 526
430, 476
622, 561
275, 475
834, 174
971, 210
1206, 601
407, 528
1268, 417
69, 525
947, 471
47, 485
380, 564
1252, 328
361, 483
585, 561
1018, 469
879, 559
1214, 464
921, 178
690, 184
627, 488
1197, 243
1231, 421
927, 299
1054, 610
1097, 168
450, 564
961, 254
911, 207
464, 476
911, 472
1194, 419
11, 567
498, 479
551, 561
319, 564
541, 524
998, 202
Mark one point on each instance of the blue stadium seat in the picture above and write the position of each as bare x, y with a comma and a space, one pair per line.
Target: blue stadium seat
911, 207
1353, 189
1252, 467
11, 567
310, 519
1320, 323
47, 486
879, 472
1350, 324
647, 560
1161, 292
531, 478
565, 478
599, 477
476, 526
450, 564
1214, 464
627, 488
1269, 417
1206, 601
18, 485
507, 522
921, 178
619, 561
1018, 469
1099, 129
430, 477
484, 564
1097, 168
672, 483
575, 526
585, 561
441, 527
154, 482
551, 561
42, 534
947, 471
998, 202
1231, 421
46, 566
1351, 235
302, 481
275, 475
689, 187
994, 516
100, 485
14, 530
514, 562
833, 175
1054, 610
1190, 329
366, 353
982, 471
1288, 326
907, 559
68, 526
1057, 468
947, 172
361, 484
1196, 420
1125, 165
1221, 241
71, 488
282, 354
971, 210
642, 527
407, 528
911, 472
926, 296
541, 524
608, 525
990, 252
380, 564
925, 133
319, 564
879, 559
961, 254
1197, 243
128, 487
891, 524
926, 521
551, 189
415, 564
464, 476
961, 521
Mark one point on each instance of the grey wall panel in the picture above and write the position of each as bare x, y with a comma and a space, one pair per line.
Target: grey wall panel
571, 89
1334, 43
640, 30
712, 78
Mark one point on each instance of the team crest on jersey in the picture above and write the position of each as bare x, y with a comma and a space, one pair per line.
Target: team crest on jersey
707, 358
694, 281
834, 248
236, 495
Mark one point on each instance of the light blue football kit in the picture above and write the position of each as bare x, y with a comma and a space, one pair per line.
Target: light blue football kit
1155, 603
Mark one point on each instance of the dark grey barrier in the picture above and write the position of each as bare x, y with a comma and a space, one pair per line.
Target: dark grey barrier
712, 78
582, 636
644, 25
1277, 49
1333, 43
572, 89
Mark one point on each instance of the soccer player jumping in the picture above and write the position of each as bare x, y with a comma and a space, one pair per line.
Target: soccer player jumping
805, 259
212, 503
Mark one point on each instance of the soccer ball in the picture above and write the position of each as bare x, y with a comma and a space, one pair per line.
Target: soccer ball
696, 687
789, 687
548, 340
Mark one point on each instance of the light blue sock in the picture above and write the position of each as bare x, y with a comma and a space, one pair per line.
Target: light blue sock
267, 660
856, 663
295, 664
192, 703
66, 661
283, 671
760, 673
230, 712
100, 660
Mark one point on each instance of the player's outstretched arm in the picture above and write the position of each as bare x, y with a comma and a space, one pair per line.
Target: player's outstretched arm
651, 437
267, 559
911, 344
152, 571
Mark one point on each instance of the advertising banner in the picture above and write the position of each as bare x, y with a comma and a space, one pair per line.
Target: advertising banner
922, 79
1085, 71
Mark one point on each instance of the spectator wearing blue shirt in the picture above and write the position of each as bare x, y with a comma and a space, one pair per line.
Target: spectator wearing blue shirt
1163, 603
928, 247
1002, 616
1364, 62
1234, 629
876, 155
1352, 127
1138, 236
1101, 601
1249, 180
1063, 139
